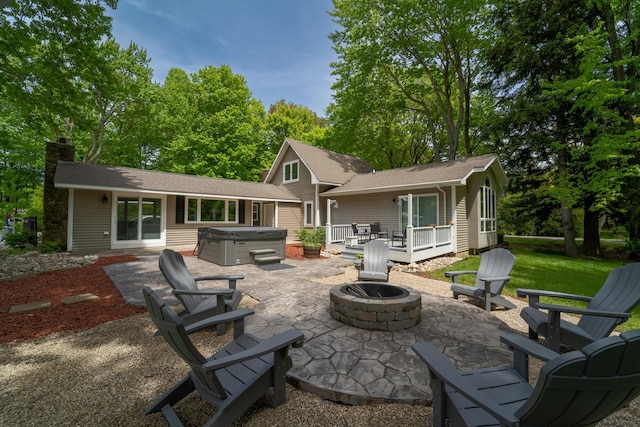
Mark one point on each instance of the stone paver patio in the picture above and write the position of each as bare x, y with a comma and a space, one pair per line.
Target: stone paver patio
340, 362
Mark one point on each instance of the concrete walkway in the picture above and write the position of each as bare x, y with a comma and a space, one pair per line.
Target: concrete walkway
339, 362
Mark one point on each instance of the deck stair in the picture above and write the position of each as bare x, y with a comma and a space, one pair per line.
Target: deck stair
265, 256
352, 252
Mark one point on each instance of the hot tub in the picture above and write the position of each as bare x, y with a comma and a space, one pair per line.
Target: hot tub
240, 245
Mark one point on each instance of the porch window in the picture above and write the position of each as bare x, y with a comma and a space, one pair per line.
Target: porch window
487, 208
308, 214
425, 211
211, 210
291, 171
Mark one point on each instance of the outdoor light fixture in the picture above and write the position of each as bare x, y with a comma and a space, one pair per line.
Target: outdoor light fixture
334, 203
105, 199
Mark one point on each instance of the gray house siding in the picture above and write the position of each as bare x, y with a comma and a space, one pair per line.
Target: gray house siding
367, 209
462, 224
290, 217
91, 220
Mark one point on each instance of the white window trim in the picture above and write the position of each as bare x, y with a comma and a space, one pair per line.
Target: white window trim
308, 222
199, 211
284, 171
488, 221
144, 243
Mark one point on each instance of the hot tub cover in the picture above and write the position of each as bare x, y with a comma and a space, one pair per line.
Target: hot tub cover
241, 233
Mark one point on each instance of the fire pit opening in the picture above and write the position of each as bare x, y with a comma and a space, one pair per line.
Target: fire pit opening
374, 290
375, 306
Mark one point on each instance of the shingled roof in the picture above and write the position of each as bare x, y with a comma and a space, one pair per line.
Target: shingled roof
108, 178
326, 167
453, 172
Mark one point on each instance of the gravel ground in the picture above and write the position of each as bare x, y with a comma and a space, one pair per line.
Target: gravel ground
108, 375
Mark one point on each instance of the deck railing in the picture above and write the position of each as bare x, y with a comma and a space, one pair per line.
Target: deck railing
423, 237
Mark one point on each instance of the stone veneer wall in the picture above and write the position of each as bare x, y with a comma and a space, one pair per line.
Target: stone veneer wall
56, 200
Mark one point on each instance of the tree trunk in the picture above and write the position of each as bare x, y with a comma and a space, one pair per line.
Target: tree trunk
570, 248
591, 245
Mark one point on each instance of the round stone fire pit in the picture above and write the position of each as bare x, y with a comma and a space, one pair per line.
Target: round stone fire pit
375, 306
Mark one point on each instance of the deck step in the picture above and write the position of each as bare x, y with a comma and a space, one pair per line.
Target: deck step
255, 252
351, 253
267, 260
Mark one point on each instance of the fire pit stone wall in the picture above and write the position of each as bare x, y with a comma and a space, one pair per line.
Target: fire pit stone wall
380, 314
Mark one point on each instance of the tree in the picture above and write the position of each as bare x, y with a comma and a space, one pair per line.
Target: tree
425, 51
213, 126
534, 48
568, 88
47, 50
289, 120
117, 107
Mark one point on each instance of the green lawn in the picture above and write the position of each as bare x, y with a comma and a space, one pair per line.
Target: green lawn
540, 264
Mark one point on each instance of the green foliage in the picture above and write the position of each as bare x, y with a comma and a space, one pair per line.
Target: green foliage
21, 240
51, 247
633, 248
289, 120
406, 77
213, 126
48, 51
312, 238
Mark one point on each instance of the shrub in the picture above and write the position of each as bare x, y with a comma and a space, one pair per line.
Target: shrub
21, 240
51, 247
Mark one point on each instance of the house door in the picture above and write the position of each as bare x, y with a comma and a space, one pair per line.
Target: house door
255, 214
269, 214
139, 222
425, 211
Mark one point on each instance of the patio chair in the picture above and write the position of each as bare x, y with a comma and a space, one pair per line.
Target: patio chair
377, 232
375, 265
578, 388
491, 276
400, 236
197, 305
233, 378
362, 235
608, 308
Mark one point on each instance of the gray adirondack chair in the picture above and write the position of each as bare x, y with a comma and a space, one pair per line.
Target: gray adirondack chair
232, 379
375, 265
492, 274
578, 388
608, 308
199, 304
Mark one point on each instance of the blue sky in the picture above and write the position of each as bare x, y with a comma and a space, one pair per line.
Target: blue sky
281, 47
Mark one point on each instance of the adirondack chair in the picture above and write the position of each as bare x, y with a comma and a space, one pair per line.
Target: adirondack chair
608, 308
491, 276
197, 305
578, 388
376, 264
232, 379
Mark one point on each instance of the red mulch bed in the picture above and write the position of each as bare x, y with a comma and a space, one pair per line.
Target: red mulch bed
55, 285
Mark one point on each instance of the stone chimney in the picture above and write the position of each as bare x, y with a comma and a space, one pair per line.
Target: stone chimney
56, 200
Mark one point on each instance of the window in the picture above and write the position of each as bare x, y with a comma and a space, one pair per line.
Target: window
211, 210
138, 218
425, 211
487, 208
291, 170
308, 214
